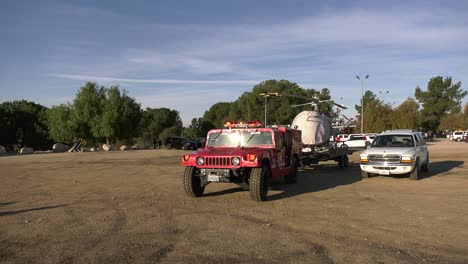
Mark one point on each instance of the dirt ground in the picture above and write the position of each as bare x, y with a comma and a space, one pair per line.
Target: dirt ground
129, 207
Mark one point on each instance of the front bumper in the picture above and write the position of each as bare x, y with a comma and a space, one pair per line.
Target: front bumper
387, 169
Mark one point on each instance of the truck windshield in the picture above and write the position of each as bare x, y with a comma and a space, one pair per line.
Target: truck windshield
255, 138
393, 141
235, 138
226, 138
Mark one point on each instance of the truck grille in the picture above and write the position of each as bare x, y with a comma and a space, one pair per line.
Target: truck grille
384, 158
218, 161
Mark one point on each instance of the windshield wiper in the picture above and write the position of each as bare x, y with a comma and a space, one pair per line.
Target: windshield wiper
212, 140
253, 134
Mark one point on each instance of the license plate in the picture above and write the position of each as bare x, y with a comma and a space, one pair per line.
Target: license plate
384, 172
213, 178
306, 150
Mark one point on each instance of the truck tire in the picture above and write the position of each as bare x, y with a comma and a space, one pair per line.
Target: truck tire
415, 174
343, 162
192, 182
365, 174
292, 176
425, 167
259, 184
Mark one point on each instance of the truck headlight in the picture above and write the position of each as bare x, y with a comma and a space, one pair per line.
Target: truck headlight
200, 161
235, 161
407, 159
364, 159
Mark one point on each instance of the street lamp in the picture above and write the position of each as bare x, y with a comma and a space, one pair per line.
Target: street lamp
383, 93
362, 101
265, 96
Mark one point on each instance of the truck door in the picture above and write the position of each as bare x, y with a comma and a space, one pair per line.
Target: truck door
280, 152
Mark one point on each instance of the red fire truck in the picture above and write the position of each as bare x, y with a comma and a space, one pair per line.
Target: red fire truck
246, 154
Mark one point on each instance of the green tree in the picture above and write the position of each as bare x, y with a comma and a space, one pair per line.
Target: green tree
88, 107
60, 125
23, 123
406, 115
119, 118
105, 113
442, 97
218, 114
375, 114
377, 117
156, 121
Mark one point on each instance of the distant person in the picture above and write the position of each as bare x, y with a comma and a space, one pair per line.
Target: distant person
154, 143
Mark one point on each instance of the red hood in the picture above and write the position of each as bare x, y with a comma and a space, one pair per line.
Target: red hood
231, 151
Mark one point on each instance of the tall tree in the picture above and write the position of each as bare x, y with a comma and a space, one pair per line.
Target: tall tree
22, 123
375, 113
60, 124
406, 115
218, 114
441, 98
156, 121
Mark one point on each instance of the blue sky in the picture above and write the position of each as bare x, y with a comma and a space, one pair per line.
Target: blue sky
188, 55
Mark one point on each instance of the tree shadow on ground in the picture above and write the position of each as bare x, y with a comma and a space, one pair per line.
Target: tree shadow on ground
9, 213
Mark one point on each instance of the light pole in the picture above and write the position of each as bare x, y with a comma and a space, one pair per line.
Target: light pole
383, 93
362, 101
265, 95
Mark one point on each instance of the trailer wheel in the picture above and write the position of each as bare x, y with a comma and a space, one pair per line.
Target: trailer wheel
344, 161
259, 184
192, 182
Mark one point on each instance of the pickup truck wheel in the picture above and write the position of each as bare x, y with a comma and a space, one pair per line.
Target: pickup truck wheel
192, 182
425, 167
292, 176
259, 184
415, 174
365, 174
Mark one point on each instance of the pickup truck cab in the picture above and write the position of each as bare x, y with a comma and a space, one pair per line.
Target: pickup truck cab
396, 152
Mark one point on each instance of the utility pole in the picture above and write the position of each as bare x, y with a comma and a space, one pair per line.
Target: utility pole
362, 101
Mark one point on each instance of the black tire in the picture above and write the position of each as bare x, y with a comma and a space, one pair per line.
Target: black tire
292, 176
416, 173
259, 184
192, 182
365, 174
425, 167
346, 160
343, 161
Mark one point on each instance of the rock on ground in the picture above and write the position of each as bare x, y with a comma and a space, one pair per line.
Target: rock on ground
26, 150
58, 147
106, 147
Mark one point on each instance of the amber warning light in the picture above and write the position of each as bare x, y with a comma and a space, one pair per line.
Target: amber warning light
249, 124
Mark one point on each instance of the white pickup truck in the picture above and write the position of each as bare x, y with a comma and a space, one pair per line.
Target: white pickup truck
400, 151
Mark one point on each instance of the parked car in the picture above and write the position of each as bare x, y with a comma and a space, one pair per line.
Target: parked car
356, 142
180, 143
200, 142
400, 151
465, 137
458, 135
341, 137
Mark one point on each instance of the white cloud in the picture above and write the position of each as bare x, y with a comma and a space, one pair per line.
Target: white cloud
149, 81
